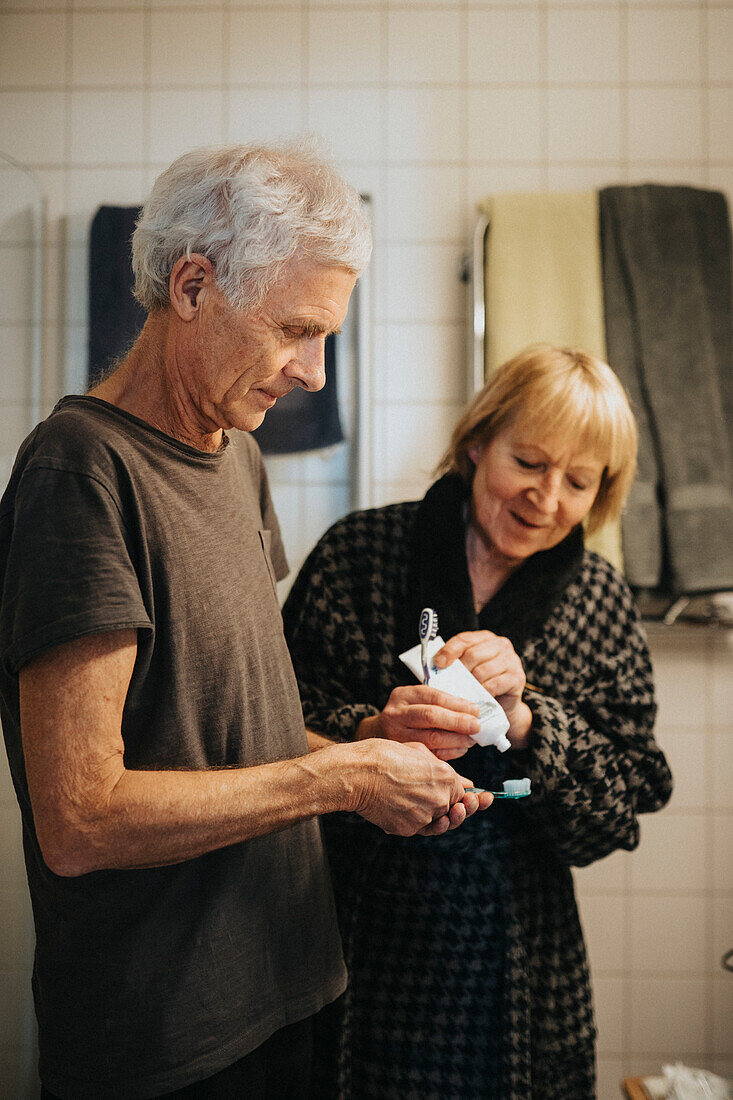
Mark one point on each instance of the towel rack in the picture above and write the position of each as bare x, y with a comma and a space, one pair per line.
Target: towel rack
477, 307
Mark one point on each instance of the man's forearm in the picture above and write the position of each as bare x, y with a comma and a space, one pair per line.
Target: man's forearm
155, 818
92, 813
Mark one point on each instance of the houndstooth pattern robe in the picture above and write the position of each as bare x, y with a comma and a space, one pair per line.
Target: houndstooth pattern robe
593, 762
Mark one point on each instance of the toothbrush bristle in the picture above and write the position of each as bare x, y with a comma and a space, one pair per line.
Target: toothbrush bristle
517, 788
428, 624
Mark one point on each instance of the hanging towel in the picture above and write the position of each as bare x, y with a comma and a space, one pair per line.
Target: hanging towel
115, 318
304, 421
542, 274
667, 291
542, 279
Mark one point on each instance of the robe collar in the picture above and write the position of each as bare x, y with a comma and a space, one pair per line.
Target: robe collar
438, 574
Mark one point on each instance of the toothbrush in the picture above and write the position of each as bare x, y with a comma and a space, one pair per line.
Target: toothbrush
513, 788
428, 630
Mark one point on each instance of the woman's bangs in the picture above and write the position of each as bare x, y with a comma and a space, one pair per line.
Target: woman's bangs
575, 414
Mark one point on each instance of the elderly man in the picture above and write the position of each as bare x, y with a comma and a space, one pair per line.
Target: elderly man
184, 919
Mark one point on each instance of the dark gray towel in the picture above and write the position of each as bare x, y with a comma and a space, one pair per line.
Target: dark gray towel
115, 318
667, 300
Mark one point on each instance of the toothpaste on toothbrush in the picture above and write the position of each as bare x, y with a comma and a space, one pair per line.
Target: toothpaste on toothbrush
457, 680
513, 788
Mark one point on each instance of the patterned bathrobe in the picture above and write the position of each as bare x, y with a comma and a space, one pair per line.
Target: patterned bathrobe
422, 919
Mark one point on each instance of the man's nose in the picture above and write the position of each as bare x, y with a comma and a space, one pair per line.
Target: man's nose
308, 368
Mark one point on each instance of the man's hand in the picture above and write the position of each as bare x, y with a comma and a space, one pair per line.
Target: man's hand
495, 664
442, 722
405, 789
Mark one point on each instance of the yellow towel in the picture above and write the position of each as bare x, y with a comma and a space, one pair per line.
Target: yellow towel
542, 278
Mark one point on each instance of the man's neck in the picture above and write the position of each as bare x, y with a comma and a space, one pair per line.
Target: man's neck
148, 385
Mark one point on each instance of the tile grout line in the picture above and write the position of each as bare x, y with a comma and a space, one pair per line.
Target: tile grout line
147, 93
305, 84
627, 994
705, 87
543, 85
226, 83
395, 85
625, 120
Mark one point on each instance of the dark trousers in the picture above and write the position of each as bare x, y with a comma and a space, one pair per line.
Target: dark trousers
279, 1069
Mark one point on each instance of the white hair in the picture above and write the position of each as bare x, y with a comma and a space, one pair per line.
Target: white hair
249, 209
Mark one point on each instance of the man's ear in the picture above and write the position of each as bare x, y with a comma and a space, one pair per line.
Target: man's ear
191, 275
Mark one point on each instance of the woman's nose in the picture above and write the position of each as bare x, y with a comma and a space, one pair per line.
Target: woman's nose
546, 495
308, 369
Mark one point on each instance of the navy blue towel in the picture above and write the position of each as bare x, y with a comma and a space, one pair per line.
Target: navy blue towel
304, 421
115, 318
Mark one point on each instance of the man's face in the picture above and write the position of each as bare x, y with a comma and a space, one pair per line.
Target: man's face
240, 361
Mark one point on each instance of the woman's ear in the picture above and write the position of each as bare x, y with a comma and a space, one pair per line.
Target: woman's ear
474, 453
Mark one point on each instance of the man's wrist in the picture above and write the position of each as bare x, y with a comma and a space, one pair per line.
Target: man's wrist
334, 773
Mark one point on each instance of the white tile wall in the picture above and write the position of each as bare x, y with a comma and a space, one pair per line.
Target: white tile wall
188, 52
351, 120
504, 45
586, 127
266, 47
721, 132
422, 284
33, 125
39, 34
107, 49
665, 46
718, 41
682, 948
412, 53
424, 124
665, 124
668, 1014
180, 120
415, 358
106, 127
505, 124
584, 46
428, 105
434, 211
346, 51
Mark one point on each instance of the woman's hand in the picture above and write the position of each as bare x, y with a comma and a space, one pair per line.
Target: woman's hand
440, 721
494, 663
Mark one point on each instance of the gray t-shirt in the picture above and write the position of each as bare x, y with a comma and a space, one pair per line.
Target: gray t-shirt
147, 980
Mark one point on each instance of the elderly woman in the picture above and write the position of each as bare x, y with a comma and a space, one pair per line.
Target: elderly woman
468, 968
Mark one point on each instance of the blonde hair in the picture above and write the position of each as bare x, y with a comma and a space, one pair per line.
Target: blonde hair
560, 392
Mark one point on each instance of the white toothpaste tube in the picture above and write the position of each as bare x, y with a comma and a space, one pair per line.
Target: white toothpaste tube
457, 680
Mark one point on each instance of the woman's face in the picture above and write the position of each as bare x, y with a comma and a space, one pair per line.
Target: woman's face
529, 492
